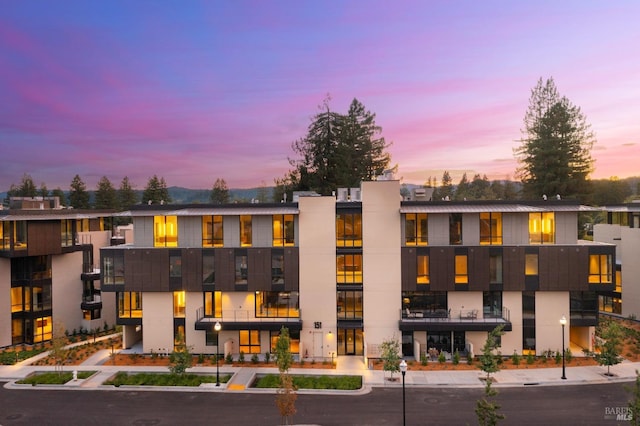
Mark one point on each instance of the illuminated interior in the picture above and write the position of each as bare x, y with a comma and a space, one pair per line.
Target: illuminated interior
245, 231
179, 304
349, 268
349, 230
165, 231
600, 269
212, 231
542, 228
490, 228
423, 269
283, 230
461, 266
415, 229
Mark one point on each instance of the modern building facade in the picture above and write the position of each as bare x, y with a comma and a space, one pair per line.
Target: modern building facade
49, 270
622, 228
344, 273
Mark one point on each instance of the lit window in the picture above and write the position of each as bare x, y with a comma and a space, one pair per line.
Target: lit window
212, 231
542, 228
213, 304
277, 304
349, 268
531, 264
600, 271
130, 304
283, 230
66, 231
43, 329
245, 231
179, 304
349, 230
455, 228
250, 341
423, 269
415, 229
490, 228
165, 231
462, 276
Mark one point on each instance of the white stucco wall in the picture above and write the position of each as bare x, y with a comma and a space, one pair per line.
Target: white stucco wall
5, 302
66, 289
157, 321
550, 307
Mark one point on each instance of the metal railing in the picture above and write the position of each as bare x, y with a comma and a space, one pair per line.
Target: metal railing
460, 315
246, 315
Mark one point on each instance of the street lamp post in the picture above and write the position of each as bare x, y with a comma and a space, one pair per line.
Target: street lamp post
403, 370
217, 328
563, 322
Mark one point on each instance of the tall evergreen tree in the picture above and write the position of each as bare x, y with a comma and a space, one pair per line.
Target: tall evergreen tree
78, 195
338, 151
156, 192
58, 192
555, 151
126, 194
462, 191
43, 191
105, 196
219, 192
445, 191
26, 188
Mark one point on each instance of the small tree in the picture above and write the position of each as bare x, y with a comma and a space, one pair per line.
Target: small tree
634, 403
609, 340
286, 393
390, 354
58, 341
180, 359
488, 359
486, 410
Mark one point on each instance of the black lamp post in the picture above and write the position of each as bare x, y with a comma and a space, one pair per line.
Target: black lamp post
403, 370
217, 328
563, 322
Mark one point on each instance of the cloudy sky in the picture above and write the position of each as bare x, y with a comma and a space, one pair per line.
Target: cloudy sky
197, 90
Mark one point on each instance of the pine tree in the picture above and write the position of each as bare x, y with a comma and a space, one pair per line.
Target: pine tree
78, 195
219, 192
105, 196
156, 192
126, 195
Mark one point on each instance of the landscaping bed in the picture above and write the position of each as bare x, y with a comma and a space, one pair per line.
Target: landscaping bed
53, 377
164, 379
310, 382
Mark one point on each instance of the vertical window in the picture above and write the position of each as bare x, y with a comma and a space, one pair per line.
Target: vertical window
20, 235
415, 229
66, 231
165, 231
455, 228
277, 268
349, 230
349, 304
113, 267
245, 231
495, 268
283, 230
18, 302
179, 304
208, 268
600, 269
349, 268
130, 304
542, 228
213, 304
43, 329
461, 267
531, 264
528, 322
490, 228
423, 269
250, 341
175, 266
212, 231
242, 272
492, 304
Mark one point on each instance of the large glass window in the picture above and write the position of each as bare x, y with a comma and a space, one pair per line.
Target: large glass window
20, 299
277, 304
461, 269
250, 341
175, 266
600, 269
41, 297
43, 329
20, 235
165, 231
213, 304
455, 228
495, 268
179, 304
542, 228
492, 304
208, 268
245, 231
212, 231
113, 268
490, 228
349, 230
66, 231
283, 230
423, 269
415, 229
130, 304
349, 304
349, 268
277, 268
242, 269
294, 340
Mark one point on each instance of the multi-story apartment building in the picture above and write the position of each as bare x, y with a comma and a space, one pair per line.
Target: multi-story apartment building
622, 229
48, 272
344, 273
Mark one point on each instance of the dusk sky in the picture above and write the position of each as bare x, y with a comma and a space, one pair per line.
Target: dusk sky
193, 91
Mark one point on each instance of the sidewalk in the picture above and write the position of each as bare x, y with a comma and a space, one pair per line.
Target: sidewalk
242, 377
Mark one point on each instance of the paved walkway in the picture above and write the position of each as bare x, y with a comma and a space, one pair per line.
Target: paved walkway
242, 377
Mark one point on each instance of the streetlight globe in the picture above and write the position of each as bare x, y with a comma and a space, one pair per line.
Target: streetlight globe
403, 366
217, 327
563, 320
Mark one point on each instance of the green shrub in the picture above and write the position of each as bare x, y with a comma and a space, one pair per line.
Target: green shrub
312, 382
441, 358
558, 357
254, 359
229, 358
241, 357
423, 359
267, 357
456, 358
515, 358
531, 358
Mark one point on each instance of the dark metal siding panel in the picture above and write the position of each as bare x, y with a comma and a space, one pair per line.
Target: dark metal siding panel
94, 225
478, 268
581, 270
291, 269
442, 268
192, 269
409, 268
133, 270
44, 237
513, 268
259, 274
158, 278
547, 268
225, 269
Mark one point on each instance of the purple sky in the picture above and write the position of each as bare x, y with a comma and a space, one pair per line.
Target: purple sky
193, 91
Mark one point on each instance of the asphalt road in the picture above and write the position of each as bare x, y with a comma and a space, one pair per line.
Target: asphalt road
535, 405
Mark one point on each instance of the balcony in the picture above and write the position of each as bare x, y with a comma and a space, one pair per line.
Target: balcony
244, 319
91, 302
453, 320
90, 272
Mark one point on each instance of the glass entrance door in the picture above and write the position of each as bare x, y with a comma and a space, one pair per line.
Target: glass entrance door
350, 341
